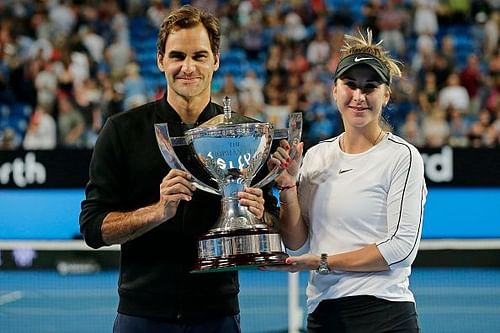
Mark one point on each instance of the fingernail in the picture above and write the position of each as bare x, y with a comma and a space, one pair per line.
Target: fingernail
287, 147
288, 159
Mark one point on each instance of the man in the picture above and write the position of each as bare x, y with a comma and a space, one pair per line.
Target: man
157, 219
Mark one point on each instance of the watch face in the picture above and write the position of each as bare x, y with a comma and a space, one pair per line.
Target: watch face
323, 270
323, 265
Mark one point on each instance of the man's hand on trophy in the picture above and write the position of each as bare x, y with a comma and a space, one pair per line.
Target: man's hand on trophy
282, 158
253, 199
176, 186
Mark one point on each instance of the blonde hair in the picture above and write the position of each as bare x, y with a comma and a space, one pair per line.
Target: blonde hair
364, 44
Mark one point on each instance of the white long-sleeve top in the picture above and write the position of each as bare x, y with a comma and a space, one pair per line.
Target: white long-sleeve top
353, 200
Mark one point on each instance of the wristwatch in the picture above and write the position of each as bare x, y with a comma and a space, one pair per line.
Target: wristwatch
323, 268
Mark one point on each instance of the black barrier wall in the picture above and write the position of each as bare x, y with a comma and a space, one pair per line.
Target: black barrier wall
447, 166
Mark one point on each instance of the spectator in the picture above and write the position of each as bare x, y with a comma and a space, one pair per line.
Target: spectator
93, 42
135, 91
297, 62
318, 51
46, 85
276, 110
117, 55
478, 132
391, 23
294, 29
492, 102
472, 79
454, 95
447, 50
251, 94
411, 131
490, 138
119, 23
9, 139
274, 61
156, 12
496, 125
336, 42
428, 95
63, 16
441, 68
87, 99
315, 89
458, 129
252, 37
41, 133
70, 123
230, 89
426, 44
425, 20
492, 34
65, 76
435, 128
112, 99
371, 10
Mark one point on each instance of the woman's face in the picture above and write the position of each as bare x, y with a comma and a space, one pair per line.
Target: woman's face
360, 96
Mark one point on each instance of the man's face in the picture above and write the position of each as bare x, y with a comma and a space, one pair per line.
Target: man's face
188, 63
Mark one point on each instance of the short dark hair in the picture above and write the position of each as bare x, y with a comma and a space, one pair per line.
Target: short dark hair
187, 17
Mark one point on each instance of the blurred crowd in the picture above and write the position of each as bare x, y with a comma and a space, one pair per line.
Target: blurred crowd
65, 66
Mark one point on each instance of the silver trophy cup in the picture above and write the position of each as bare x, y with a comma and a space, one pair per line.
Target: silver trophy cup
232, 148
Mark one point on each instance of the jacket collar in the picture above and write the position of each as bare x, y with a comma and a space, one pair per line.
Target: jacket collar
166, 113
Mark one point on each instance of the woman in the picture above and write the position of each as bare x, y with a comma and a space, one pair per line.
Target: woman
355, 218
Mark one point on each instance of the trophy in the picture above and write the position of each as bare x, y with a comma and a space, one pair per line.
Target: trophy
232, 148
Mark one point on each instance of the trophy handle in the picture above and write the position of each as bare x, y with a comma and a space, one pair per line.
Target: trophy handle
173, 161
293, 134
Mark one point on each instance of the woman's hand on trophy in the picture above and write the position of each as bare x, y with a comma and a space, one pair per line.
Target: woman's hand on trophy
253, 199
282, 158
305, 262
176, 186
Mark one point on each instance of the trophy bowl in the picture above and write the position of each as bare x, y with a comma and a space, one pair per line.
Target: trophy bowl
232, 148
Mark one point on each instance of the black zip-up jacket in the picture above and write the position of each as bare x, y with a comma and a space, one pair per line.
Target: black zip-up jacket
125, 174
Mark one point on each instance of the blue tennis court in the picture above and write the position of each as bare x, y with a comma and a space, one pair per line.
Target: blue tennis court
449, 300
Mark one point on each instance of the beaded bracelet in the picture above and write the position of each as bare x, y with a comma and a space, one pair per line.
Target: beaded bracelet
282, 188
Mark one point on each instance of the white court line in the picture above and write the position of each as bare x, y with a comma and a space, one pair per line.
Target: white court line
459, 310
473, 290
459, 244
10, 297
56, 245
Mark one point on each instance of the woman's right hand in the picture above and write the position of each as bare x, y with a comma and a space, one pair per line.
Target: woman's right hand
282, 158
